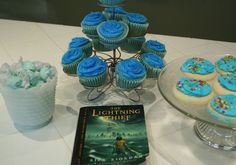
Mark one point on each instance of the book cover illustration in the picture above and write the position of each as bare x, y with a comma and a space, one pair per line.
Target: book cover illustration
112, 135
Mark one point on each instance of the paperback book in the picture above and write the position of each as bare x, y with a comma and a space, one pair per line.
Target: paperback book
111, 135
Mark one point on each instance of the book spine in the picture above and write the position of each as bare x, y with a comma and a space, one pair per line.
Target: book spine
79, 138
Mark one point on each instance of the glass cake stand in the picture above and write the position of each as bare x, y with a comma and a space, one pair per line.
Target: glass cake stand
212, 132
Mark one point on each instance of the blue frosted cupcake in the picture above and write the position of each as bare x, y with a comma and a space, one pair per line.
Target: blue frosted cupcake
83, 43
132, 45
112, 33
153, 64
119, 13
111, 3
92, 72
130, 74
137, 23
90, 23
155, 47
226, 65
71, 59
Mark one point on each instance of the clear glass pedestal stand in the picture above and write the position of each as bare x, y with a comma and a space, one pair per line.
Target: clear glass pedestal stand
211, 131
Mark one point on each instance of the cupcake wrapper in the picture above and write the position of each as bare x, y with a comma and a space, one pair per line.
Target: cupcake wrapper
151, 72
116, 40
31, 108
94, 81
92, 36
98, 46
89, 30
71, 68
111, 3
145, 49
110, 46
109, 16
135, 29
123, 83
131, 45
88, 49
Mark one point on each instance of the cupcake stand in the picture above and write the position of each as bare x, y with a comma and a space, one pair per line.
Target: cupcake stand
112, 59
212, 132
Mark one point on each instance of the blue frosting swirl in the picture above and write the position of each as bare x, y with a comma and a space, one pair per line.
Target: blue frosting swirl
155, 45
136, 18
153, 60
93, 18
225, 104
228, 81
111, 29
118, 10
78, 42
71, 55
227, 64
193, 87
198, 66
131, 69
92, 66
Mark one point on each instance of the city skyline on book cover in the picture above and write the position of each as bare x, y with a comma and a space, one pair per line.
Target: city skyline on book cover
115, 135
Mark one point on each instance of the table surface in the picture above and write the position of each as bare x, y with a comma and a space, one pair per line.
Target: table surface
171, 136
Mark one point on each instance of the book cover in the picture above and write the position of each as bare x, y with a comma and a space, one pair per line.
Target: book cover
111, 135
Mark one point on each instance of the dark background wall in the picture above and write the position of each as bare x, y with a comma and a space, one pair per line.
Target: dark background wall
208, 19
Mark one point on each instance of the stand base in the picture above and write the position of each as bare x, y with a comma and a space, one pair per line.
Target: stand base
216, 137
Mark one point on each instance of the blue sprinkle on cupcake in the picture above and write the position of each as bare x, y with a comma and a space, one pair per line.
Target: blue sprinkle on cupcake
130, 73
153, 64
92, 72
152, 46
71, 59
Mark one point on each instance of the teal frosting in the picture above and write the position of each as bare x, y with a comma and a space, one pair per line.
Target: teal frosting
92, 66
14, 82
136, 18
28, 65
78, 42
131, 69
118, 10
155, 45
153, 60
198, 66
111, 29
224, 104
227, 64
228, 81
71, 55
193, 87
93, 18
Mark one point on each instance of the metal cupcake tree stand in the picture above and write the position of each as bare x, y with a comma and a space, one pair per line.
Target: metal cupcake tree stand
95, 92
